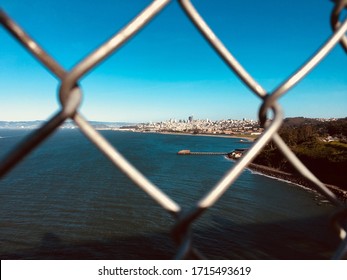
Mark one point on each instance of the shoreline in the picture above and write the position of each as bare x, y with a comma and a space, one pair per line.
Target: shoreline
265, 170
248, 138
296, 179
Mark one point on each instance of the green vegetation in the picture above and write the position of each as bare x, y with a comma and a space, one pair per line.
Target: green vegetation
320, 145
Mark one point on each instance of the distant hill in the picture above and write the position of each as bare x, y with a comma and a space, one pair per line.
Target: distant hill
322, 127
66, 125
298, 121
20, 124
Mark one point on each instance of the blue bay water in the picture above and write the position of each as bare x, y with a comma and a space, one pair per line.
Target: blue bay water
67, 201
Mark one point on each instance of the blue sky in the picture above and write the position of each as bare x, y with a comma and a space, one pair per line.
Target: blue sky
168, 70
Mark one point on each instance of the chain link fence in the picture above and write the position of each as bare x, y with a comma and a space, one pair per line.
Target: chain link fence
70, 96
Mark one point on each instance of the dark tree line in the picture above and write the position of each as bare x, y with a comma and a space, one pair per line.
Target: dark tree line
307, 139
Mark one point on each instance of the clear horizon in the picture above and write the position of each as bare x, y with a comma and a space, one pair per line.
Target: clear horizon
168, 70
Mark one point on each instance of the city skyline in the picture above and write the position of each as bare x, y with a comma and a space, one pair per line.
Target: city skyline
168, 70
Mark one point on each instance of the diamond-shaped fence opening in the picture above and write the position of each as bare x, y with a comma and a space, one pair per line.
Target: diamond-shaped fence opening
70, 96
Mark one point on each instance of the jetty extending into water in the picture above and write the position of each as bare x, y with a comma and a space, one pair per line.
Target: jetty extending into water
235, 154
188, 152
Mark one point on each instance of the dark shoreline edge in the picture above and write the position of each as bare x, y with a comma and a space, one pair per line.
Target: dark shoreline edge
296, 179
340, 193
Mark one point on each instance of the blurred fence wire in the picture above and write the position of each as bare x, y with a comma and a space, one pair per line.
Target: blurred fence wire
70, 96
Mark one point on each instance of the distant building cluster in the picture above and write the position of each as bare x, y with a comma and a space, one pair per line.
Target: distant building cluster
229, 127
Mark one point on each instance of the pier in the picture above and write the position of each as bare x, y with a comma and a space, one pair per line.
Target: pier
188, 152
237, 153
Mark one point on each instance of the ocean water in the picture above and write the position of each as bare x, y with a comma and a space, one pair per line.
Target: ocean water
67, 201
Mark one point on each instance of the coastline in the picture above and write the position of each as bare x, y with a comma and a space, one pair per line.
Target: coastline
265, 170
241, 137
296, 179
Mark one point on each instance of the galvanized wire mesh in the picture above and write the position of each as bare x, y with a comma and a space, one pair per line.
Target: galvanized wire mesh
70, 96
